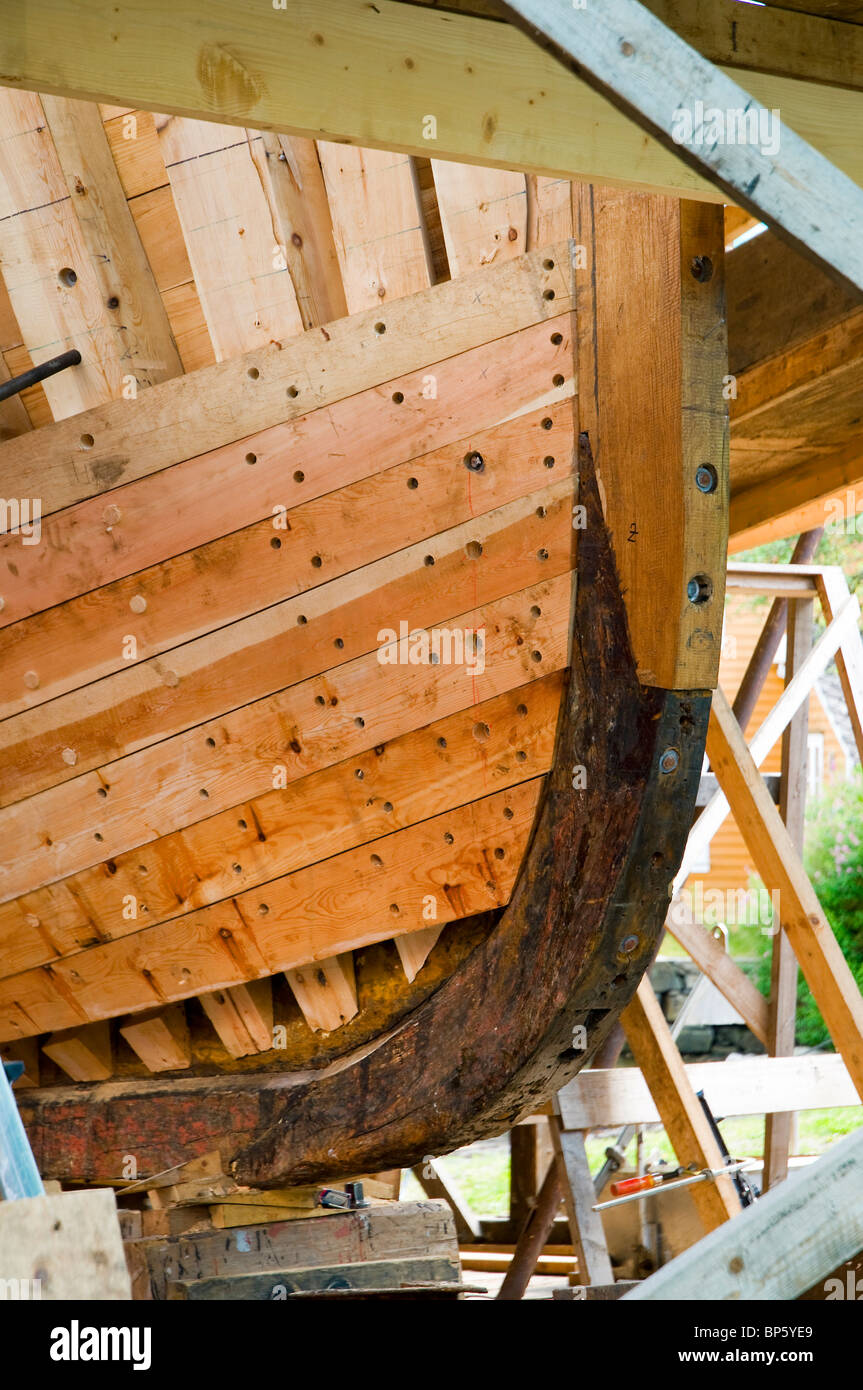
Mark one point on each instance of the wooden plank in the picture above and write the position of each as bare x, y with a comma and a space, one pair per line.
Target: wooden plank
52, 834
48, 268
630, 56
483, 214
26, 1051
777, 1249
326, 992
83, 1053
549, 210
760, 1085
277, 1284
189, 869
374, 205
778, 1127
113, 246
331, 90
714, 961
69, 1245
816, 948
306, 225
222, 195
585, 1224
321, 911
686, 1125
160, 1039
414, 950
242, 1016
664, 541
235, 399
832, 590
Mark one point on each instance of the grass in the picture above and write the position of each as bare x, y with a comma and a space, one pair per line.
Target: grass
481, 1172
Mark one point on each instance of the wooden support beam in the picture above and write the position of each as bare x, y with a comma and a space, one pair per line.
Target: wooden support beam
242, 1016
779, 1127
714, 961
26, 1051
585, 1224
160, 1038
415, 949
532, 1239
145, 343
282, 77
326, 991
833, 592
306, 227
753, 1086
689, 1133
778, 863
669, 539
631, 57
782, 1245
83, 1053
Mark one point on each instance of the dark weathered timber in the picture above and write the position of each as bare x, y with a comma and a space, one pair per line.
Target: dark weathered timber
497, 1037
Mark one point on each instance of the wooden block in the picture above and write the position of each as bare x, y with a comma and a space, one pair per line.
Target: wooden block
415, 949
175, 1221
226, 1216
279, 1283
71, 1243
242, 1016
161, 1039
84, 1053
326, 991
26, 1051
131, 1223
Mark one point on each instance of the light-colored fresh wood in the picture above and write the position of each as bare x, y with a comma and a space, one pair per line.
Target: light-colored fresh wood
235, 399
778, 1128
71, 1243
833, 592
374, 204
321, 76
326, 991
144, 341
760, 1085
579, 1197
306, 226
242, 1016
221, 195
483, 213
324, 910
83, 1053
358, 705
160, 1039
662, 425
686, 1125
414, 950
633, 58
309, 820
778, 863
510, 549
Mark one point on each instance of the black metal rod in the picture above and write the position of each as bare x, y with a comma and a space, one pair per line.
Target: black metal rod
49, 368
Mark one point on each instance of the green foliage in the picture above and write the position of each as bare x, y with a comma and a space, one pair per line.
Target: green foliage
834, 859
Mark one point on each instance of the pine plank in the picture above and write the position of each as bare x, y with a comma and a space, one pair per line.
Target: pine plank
160, 1039
483, 213
326, 991
83, 1053
242, 1016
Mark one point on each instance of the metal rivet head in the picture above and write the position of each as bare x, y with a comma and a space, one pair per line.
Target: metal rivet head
629, 944
669, 761
706, 478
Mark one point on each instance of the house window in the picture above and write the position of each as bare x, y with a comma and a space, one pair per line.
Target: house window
815, 768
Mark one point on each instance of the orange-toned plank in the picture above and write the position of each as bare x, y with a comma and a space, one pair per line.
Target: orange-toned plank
490, 746
84, 1053
465, 860
103, 538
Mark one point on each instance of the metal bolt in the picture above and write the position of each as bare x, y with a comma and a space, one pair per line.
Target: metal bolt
702, 268
669, 761
475, 462
629, 945
706, 478
699, 588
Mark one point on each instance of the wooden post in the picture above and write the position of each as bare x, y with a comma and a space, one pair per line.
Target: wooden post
783, 972
655, 1051
533, 1237
585, 1224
